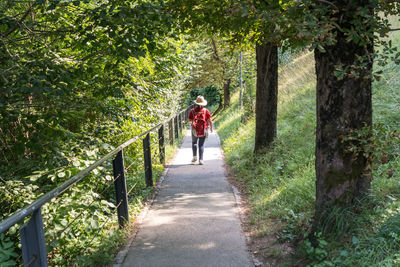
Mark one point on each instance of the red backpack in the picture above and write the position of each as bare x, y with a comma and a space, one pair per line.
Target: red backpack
199, 123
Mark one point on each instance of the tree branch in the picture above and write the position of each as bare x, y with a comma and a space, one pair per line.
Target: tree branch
215, 50
92, 55
19, 22
329, 3
8, 51
392, 30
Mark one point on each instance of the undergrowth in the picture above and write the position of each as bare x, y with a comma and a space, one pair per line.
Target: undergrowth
82, 229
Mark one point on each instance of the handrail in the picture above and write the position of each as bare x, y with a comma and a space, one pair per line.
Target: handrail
37, 204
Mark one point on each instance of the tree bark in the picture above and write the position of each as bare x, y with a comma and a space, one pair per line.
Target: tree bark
266, 95
343, 106
227, 93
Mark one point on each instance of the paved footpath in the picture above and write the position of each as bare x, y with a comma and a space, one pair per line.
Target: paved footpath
193, 221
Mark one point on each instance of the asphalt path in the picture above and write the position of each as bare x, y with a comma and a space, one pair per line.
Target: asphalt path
193, 220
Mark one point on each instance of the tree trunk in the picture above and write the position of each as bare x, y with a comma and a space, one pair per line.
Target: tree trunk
343, 107
227, 93
266, 95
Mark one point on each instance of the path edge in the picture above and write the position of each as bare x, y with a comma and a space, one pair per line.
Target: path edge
239, 207
121, 255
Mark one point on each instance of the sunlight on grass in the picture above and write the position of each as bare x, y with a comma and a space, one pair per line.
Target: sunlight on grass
284, 177
281, 183
300, 71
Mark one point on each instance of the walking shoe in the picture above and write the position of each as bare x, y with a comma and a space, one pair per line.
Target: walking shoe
194, 159
201, 162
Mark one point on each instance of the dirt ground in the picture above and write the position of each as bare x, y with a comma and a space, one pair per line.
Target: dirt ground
265, 249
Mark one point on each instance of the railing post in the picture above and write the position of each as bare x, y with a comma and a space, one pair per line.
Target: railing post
33, 242
187, 115
176, 127
171, 132
147, 161
161, 144
181, 120
179, 124
120, 189
187, 112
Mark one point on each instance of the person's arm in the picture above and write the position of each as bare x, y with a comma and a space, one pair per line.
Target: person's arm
191, 117
209, 120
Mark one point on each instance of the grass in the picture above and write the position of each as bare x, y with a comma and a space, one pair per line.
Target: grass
280, 184
285, 173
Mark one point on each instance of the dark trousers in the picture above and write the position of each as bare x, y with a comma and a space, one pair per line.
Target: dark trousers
200, 141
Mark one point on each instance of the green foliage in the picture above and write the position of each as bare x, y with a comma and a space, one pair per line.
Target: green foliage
362, 23
241, 22
65, 83
77, 79
80, 225
16, 194
213, 65
7, 252
80, 77
294, 225
210, 93
318, 253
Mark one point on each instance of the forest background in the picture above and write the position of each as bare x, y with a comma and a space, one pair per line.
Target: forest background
79, 78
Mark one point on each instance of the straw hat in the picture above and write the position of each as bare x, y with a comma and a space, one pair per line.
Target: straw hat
200, 101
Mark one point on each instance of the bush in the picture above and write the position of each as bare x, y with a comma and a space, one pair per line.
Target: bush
210, 93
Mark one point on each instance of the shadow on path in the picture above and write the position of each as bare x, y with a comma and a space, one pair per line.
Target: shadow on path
193, 221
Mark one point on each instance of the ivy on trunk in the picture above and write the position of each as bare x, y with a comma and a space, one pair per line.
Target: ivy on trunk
344, 106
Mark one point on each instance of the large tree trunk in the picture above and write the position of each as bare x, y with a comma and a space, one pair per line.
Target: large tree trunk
227, 93
343, 106
266, 95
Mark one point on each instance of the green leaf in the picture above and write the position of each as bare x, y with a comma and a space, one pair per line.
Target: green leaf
8, 263
7, 244
76, 163
64, 222
321, 48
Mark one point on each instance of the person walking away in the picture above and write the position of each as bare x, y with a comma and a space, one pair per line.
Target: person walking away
201, 122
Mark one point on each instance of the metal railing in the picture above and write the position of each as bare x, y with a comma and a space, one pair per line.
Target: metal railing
32, 238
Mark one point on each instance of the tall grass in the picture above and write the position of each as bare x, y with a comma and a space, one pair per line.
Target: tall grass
280, 183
